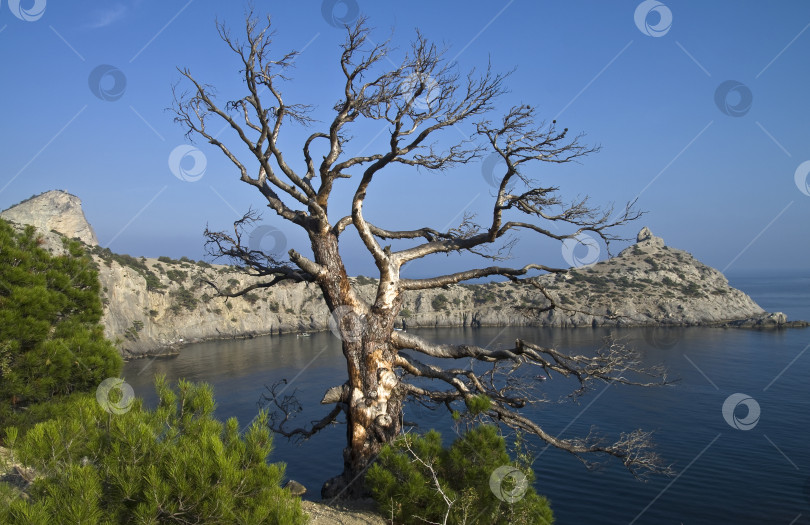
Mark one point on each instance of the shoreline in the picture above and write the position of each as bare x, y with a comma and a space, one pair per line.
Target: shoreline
755, 323
156, 307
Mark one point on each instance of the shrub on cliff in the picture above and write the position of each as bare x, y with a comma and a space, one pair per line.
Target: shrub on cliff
51, 342
439, 302
173, 464
415, 480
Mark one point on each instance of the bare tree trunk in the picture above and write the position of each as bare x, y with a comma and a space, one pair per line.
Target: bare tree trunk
373, 399
373, 415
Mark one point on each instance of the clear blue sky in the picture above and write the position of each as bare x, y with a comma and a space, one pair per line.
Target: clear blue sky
719, 186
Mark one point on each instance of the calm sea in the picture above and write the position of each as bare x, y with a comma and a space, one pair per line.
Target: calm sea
723, 474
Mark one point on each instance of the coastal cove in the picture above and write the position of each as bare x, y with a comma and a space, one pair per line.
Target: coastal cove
157, 306
725, 475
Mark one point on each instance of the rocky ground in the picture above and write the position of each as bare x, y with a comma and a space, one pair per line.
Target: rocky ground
345, 513
15, 474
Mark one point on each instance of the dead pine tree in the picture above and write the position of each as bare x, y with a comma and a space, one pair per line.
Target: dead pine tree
419, 100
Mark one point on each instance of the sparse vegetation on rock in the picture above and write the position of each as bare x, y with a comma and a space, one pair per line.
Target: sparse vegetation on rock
647, 283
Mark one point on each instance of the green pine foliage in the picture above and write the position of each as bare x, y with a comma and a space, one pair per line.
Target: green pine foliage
174, 464
51, 342
404, 480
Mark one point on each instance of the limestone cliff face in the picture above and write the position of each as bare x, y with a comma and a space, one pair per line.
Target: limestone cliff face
156, 305
152, 305
54, 211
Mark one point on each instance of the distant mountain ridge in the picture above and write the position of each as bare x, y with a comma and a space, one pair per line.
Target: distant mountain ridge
157, 305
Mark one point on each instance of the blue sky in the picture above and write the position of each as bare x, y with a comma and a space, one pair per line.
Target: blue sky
718, 179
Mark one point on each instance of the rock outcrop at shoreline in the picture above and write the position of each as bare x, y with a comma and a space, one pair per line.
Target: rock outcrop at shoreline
154, 306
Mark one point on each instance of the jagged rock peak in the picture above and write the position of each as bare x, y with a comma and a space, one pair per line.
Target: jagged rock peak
55, 210
646, 238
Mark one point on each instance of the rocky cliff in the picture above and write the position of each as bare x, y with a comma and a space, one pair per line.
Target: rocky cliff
156, 305
54, 211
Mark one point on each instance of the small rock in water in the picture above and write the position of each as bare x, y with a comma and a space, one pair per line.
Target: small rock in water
295, 488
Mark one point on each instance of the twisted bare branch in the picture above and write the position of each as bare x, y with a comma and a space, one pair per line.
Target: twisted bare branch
509, 392
287, 407
253, 261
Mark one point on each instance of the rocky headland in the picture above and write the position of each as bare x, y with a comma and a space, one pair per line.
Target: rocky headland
154, 306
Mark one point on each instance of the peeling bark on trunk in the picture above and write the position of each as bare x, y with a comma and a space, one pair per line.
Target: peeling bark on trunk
373, 399
374, 408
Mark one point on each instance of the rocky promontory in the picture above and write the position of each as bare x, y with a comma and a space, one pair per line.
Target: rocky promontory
153, 306
53, 211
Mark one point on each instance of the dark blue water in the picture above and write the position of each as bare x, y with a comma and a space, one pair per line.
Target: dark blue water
785, 292
723, 474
